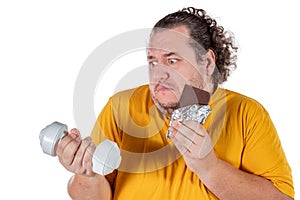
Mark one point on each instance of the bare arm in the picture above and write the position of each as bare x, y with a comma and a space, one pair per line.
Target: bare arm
82, 187
75, 154
221, 178
227, 182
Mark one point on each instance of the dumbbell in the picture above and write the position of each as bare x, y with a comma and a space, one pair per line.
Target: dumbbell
106, 156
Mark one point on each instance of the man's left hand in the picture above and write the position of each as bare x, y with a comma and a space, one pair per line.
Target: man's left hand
193, 142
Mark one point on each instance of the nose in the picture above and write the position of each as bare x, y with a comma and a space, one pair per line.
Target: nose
163, 76
159, 74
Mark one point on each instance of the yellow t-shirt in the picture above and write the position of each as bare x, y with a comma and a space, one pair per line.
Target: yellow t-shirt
151, 168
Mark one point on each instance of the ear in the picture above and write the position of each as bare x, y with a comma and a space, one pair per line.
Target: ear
211, 62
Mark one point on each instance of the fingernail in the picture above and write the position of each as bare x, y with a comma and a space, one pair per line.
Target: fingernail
175, 123
92, 144
169, 133
78, 139
73, 136
87, 142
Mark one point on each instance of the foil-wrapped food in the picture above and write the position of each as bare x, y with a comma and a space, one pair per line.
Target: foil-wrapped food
193, 105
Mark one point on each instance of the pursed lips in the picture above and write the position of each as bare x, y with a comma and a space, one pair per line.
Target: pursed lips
162, 87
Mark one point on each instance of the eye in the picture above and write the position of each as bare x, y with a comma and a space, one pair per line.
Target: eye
173, 60
153, 63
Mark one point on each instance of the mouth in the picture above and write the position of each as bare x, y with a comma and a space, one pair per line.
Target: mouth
162, 88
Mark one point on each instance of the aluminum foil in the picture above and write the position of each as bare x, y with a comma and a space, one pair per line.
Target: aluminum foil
194, 112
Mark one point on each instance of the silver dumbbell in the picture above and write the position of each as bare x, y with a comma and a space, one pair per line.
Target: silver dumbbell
106, 157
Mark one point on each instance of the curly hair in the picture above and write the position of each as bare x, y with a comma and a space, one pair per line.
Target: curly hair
205, 31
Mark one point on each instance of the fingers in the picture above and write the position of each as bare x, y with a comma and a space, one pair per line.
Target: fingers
79, 159
75, 154
191, 138
194, 127
186, 132
182, 136
67, 147
75, 132
87, 159
178, 140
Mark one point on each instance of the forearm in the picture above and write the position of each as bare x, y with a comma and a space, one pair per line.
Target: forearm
227, 182
93, 188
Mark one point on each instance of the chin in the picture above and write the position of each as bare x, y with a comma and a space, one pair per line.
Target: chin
164, 104
167, 100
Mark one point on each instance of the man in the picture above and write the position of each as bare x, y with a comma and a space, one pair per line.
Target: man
235, 154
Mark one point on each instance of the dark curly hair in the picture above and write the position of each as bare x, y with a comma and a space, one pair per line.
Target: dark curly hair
205, 31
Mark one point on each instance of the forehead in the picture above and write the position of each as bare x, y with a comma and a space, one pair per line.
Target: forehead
170, 40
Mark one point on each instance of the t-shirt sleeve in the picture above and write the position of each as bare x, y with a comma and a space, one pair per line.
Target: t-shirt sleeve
105, 128
263, 154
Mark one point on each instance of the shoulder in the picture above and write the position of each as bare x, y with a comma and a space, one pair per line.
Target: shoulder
251, 115
238, 101
238, 107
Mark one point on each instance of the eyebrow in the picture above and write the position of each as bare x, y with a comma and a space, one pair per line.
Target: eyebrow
165, 55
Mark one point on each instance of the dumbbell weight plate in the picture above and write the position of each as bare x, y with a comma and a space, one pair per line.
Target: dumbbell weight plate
51, 135
106, 157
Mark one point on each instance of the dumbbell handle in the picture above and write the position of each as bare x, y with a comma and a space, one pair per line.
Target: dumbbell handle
106, 157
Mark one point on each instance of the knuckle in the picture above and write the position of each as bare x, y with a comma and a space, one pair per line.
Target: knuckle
79, 170
64, 157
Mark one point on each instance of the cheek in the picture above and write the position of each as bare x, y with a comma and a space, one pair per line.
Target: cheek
150, 74
194, 77
167, 97
151, 87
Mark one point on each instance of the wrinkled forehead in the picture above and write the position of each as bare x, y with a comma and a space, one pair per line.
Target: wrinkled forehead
168, 40
171, 40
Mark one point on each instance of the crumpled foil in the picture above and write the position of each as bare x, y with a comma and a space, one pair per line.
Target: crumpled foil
194, 112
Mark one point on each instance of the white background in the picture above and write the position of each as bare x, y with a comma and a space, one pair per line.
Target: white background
43, 45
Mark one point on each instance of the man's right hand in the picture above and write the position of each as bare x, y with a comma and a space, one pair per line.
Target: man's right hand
75, 154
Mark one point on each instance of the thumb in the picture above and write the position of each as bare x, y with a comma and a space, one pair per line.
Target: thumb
75, 132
